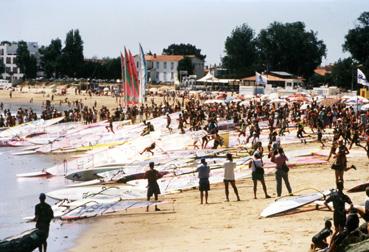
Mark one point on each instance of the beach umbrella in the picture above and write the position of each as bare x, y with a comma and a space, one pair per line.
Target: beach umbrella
245, 103
357, 99
248, 96
365, 107
215, 101
236, 100
329, 101
278, 101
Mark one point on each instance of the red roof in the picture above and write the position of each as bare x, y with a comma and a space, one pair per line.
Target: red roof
163, 57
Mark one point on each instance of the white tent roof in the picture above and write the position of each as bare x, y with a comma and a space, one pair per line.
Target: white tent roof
208, 78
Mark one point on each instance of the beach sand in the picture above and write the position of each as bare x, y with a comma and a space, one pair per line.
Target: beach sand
219, 226
222, 226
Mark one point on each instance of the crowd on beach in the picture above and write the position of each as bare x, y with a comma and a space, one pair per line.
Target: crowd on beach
349, 128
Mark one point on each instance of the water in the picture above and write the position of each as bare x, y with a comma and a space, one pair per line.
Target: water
20, 195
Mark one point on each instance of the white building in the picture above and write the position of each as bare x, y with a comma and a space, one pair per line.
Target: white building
163, 68
8, 55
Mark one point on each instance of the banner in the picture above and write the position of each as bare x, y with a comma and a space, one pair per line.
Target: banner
361, 78
260, 79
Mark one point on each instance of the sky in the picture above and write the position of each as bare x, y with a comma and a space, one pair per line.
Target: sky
106, 26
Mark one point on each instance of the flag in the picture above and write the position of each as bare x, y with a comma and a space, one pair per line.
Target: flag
142, 74
361, 78
260, 79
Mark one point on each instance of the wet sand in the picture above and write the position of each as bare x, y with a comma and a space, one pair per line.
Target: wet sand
223, 226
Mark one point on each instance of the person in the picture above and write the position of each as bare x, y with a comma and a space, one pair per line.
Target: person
149, 149
279, 158
319, 241
110, 126
229, 176
152, 176
149, 128
364, 211
43, 216
169, 121
256, 166
340, 165
300, 131
204, 185
338, 198
320, 137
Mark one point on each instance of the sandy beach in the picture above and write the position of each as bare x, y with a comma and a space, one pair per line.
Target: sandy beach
222, 226
185, 225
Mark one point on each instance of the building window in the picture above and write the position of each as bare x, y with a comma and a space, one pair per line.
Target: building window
165, 76
165, 65
15, 70
172, 76
157, 76
7, 70
171, 65
1, 51
8, 60
157, 65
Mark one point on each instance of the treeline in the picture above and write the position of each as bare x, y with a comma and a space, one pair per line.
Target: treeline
289, 47
58, 61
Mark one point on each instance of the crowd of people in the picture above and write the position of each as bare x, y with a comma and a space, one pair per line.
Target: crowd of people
350, 128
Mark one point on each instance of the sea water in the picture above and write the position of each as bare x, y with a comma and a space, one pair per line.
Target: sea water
20, 195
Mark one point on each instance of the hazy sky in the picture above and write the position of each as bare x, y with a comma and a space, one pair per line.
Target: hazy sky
107, 25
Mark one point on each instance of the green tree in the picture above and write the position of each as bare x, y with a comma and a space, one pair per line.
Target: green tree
2, 68
183, 49
240, 52
343, 72
51, 58
23, 58
185, 64
357, 41
289, 47
31, 68
72, 54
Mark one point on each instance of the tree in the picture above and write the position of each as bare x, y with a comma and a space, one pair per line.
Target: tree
2, 68
72, 54
183, 49
289, 47
185, 64
51, 58
240, 50
22, 58
357, 40
343, 73
31, 68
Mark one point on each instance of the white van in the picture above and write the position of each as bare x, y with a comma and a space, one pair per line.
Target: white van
4, 84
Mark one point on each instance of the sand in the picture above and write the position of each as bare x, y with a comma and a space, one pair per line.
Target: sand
185, 225
222, 226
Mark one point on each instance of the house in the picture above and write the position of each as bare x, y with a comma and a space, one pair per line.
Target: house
276, 79
8, 55
163, 68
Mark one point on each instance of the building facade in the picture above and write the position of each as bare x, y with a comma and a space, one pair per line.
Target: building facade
164, 68
8, 55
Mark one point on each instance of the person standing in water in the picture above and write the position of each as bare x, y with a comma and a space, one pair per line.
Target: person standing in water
43, 216
229, 167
